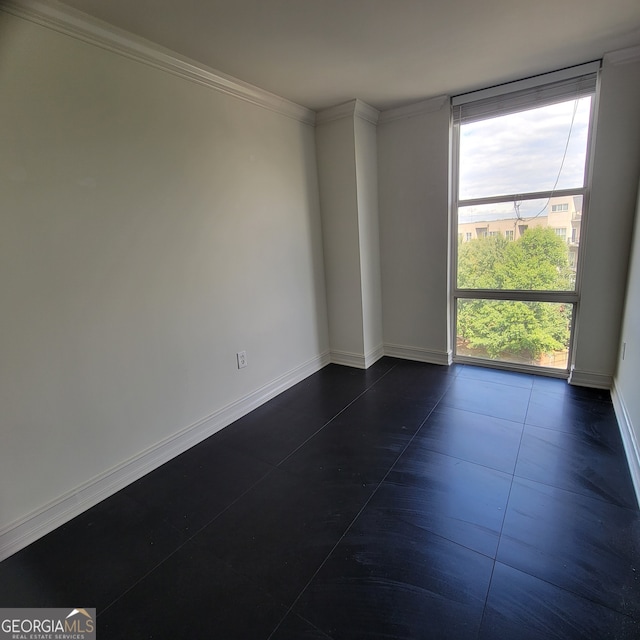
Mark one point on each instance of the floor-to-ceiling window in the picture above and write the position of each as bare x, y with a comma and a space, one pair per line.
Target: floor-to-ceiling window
520, 193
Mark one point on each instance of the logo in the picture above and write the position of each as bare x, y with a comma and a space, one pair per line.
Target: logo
48, 624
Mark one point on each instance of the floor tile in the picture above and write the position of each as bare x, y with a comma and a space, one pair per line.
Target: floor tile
489, 398
415, 381
328, 391
521, 606
271, 432
582, 463
293, 627
475, 437
486, 374
461, 501
274, 430
386, 411
582, 544
570, 413
282, 530
193, 488
362, 443
561, 387
192, 595
93, 558
390, 579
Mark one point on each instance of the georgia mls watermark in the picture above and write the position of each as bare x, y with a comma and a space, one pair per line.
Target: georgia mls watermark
48, 624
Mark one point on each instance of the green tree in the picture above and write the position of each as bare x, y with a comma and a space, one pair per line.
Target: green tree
537, 261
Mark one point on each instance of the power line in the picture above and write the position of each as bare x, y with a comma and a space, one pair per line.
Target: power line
564, 157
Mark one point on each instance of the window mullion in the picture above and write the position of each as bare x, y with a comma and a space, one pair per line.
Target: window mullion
520, 295
533, 195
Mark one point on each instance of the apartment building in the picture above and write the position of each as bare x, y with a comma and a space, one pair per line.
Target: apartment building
562, 214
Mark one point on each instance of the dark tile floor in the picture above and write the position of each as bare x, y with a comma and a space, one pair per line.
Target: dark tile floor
405, 501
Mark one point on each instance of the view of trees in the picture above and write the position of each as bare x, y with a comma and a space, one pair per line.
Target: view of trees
538, 260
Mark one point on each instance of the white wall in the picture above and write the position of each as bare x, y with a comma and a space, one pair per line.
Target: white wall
413, 161
616, 167
366, 155
335, 139
150, 227
626, 385
348, 174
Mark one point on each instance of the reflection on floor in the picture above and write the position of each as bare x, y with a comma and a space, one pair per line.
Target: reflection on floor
405, 501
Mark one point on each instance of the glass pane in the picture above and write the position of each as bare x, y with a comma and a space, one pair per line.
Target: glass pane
531, 333
541, 149
529, 245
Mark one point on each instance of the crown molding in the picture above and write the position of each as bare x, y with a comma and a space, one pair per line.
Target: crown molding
354, 108
414, 109
623, 56
344, 110
366, 112
88, 29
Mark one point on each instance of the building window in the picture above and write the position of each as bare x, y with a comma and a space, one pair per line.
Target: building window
520, 150
494, 234
468, 236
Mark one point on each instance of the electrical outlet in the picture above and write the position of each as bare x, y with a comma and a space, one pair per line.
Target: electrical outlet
242, 359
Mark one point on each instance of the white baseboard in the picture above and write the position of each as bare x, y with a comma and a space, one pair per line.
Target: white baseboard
28, 529
590, 379
416, 353
357, 360
360, 361
629, 438
349, 359
374, 355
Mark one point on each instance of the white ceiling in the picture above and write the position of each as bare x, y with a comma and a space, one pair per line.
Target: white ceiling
320, 53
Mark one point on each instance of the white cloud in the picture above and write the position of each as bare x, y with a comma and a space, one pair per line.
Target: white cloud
523, 152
